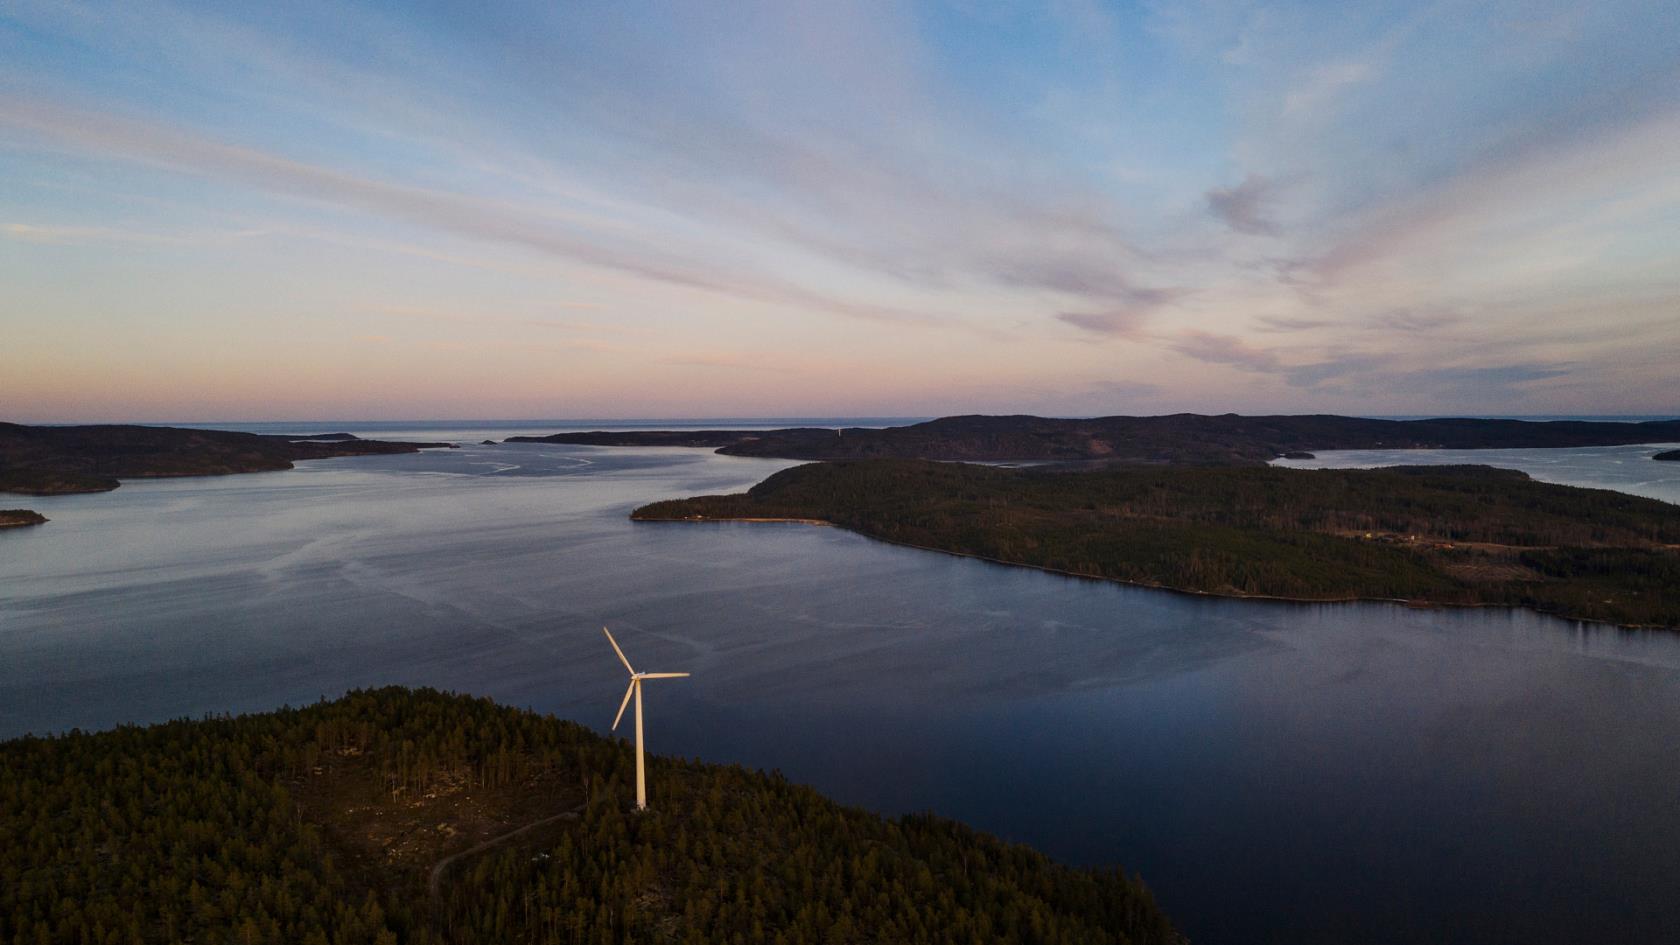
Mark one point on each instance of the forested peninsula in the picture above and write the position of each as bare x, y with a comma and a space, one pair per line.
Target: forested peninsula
1445, 535
1193, 439
57, 460
16, 518
413, 816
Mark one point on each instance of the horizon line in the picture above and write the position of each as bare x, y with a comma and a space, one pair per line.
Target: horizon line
808, 419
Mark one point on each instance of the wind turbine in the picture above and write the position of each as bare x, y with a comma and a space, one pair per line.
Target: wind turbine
635, 690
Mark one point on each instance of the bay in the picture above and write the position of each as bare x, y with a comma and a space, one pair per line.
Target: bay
1277, 772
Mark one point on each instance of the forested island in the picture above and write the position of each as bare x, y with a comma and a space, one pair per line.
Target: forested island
1194, 439
1446, 535
1671, 456
49, 460
14, 518
413, 816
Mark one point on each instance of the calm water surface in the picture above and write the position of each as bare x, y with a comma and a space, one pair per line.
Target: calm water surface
1623, 468
1278, 772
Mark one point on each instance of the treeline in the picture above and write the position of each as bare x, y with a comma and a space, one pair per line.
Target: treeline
728, 855
1180, 439
52, 460
256, 830
1441, 534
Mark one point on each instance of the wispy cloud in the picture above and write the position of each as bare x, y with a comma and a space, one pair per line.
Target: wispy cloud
1127, 318
1381, 206
1271, 323
1339, 366
115, 136
1224, 349
1243, 207
1408, 320
1125, 323
1486, 213
66, 234
488, 319
1324, 84
729, 361
1374, 375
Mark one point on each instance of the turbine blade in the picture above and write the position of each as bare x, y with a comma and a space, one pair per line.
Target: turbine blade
662, 675
624, 705
620, 652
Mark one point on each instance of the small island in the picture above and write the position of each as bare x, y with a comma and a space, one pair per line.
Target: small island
1671, 456
43, 460
1424, 535
17, 518
413, 816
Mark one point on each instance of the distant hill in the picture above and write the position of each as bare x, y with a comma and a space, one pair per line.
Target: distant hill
1423, 534
395, 816
1191, 439
42, 460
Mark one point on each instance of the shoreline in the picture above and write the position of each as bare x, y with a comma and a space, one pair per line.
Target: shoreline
116, 482
790, 520
90, 459
1263, 598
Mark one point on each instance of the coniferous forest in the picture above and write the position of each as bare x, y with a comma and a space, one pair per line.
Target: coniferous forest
1426, 534
385, 817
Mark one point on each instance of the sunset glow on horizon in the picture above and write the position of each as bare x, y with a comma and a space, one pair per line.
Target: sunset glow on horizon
436, 210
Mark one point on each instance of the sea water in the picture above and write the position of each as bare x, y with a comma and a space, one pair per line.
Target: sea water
1277, 772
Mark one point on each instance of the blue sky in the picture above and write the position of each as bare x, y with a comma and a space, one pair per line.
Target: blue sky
784, 208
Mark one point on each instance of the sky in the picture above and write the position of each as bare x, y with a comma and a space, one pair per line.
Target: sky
349, 210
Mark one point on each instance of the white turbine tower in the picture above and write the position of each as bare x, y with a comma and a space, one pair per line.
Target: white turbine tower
635, 690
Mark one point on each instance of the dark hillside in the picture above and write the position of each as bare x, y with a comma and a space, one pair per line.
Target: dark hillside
327, 825
38, 460
1192, 439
